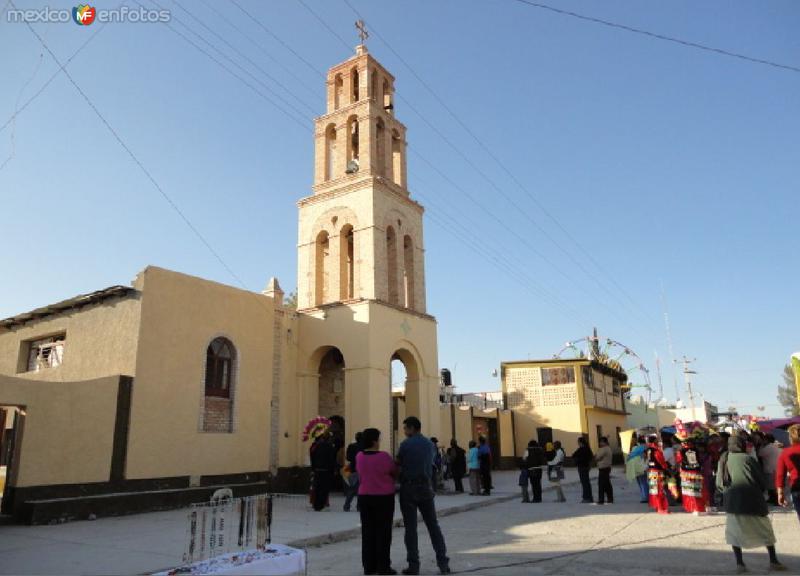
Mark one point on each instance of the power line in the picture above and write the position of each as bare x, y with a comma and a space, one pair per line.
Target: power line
53, 76
250, 61
657, 36
543, 293
508, 172
133, 156
498, 257
491, 182
499, 263
300, 121
221, 15
277, 38
27, 83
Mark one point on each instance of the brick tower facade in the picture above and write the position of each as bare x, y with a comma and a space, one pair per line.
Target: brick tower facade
360, 233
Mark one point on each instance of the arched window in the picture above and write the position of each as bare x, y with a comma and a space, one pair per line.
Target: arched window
387, 96
322, 268
338, 91
374, 89
391, 261
352, 143
220, 357
347, 263
397, 159
219, 386
408, 270
354, 79
330, 151
380, 148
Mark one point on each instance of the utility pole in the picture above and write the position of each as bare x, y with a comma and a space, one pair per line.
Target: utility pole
687, 377
660, 383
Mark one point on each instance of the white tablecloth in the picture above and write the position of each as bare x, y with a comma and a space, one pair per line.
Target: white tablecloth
276, 560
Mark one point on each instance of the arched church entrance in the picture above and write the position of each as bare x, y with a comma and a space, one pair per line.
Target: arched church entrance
404, 382
331, 397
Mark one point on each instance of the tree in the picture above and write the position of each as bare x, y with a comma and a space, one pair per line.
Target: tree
787, 393
290, 301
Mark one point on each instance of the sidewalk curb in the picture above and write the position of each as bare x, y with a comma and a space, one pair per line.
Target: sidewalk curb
351, 533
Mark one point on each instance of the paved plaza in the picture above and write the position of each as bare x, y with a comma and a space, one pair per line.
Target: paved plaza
485, 535
573, 538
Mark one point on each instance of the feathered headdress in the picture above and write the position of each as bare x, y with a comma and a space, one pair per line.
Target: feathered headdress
680, 431
315, 428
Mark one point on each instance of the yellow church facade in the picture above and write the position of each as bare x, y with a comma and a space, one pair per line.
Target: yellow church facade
155, 394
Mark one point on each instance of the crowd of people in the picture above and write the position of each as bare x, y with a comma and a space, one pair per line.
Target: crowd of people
707, 472
697, 468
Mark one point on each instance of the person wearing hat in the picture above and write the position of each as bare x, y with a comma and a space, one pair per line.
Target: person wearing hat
657, 468
691, 470
323, 464
687, 460
747, 521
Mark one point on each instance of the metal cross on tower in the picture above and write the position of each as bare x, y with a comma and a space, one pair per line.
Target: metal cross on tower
362, 30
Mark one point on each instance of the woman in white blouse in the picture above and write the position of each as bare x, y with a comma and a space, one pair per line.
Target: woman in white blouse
555, 470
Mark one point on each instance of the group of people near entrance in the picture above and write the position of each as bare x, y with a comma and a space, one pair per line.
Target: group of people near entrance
551, 458
373, 477
739, 473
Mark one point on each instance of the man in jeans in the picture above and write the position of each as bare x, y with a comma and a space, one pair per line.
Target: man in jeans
583, 460
415, 459
604, 457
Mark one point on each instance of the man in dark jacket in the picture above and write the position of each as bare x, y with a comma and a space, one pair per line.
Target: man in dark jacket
535, 461
583, 460
458, 463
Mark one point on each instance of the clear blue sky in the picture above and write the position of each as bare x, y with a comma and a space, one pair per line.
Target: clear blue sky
667, 164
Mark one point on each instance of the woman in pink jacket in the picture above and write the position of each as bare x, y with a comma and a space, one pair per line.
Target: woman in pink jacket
377, 473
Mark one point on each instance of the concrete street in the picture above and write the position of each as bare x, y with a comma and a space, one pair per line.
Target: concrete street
145, 543
485, 535
572, 538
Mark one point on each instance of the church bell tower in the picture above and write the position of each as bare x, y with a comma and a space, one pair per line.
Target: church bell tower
361, 267
360, 231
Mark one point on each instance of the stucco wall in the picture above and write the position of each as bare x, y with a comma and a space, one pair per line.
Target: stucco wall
68, 431
180, 316
367, 334
609, 423
640, 414
506, 430
101, 341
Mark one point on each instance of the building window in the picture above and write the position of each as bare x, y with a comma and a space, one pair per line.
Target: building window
219, 368
588, 376
408, 270
615, 387
391, 263
322, 268
45, 353
556, 376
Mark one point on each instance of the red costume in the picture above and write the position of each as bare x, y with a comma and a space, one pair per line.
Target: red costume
656, 475
693, 493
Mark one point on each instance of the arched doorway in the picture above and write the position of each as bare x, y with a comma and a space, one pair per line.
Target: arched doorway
331, 384
404, 382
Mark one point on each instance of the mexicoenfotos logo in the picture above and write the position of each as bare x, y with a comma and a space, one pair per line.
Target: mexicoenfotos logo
83, 14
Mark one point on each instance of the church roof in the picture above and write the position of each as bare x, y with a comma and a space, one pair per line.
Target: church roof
73, 303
